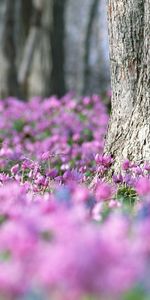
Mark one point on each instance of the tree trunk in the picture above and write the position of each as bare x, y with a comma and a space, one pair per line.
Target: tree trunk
8, 73
57, 48
29, 48
39, 76
129, 128
92, 15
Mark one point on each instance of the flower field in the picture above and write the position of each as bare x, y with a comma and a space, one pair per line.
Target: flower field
66, 231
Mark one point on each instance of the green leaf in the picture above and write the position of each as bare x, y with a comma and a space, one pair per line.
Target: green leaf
5, 255
43, 135
126, 194
47, 236
82, 117
137, 293
70, 141
18, 125
88, 174
88, 133
105, 211
3, 218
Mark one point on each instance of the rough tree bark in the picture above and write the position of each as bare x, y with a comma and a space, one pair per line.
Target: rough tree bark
129, 32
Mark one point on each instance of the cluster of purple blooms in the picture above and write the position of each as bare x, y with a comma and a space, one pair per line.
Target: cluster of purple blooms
66, 233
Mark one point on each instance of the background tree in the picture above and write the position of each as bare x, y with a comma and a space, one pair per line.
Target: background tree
53, 46
8, 73
86, 24
88, 34
30, 43
129, 31
58, 85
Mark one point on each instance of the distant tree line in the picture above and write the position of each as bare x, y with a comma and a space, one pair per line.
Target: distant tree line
44, 50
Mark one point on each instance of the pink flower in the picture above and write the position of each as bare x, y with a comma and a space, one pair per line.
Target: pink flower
137, 170
103, 191
126, 165
86, 100
26, 164
45, 155
114, 204
11, 275
143, 186
105, 160
147, 167
80, 195
97, 210
15, 169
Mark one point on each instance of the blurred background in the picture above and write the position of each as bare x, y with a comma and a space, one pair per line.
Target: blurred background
52, 47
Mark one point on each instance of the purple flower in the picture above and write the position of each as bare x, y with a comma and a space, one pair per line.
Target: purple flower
128, 179
105, 160
117, 178
52, 173
126, 165
15, 169
26, 164
45, 156
147, 167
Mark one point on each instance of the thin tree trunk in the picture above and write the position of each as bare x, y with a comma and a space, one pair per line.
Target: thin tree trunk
58, 86
86, 71
8, 73
29, 47
26, 15
39, 79
129, 32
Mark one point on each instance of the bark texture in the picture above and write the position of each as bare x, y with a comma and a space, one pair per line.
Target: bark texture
129, 33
